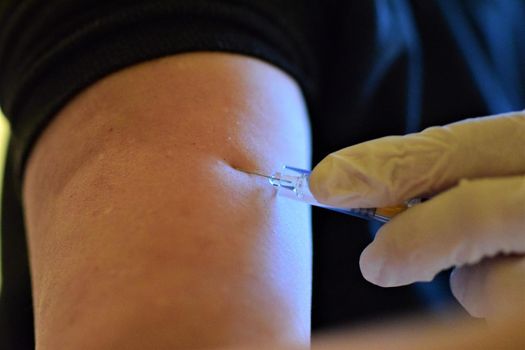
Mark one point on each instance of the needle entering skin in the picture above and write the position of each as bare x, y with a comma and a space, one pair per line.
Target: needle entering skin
254, 173
293, 183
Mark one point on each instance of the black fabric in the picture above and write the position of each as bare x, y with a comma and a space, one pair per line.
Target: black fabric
67, 45
367, 69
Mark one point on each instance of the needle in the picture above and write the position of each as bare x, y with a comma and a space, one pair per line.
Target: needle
254, 173
295, 185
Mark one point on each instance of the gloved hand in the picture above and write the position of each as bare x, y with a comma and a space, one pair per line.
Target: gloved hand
474, 171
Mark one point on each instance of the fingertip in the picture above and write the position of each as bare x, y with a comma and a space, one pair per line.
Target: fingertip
371, 268
466, 287
376, 270
385, 266
456, 285
332, 182
319, 180
355, 177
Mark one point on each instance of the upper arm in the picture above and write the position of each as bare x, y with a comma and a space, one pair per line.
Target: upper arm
141, 231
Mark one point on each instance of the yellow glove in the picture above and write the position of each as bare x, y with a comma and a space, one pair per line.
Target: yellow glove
474, 171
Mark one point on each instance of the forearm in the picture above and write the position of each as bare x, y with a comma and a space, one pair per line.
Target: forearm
152, 238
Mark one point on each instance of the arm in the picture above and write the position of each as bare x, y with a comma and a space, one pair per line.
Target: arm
143, 234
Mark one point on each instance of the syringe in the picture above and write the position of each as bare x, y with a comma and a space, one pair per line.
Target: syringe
293, 183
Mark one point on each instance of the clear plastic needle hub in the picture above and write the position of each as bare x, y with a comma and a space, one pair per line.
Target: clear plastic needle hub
293, 183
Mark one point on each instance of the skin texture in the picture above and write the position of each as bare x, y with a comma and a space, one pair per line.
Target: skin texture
143, 233
134, 244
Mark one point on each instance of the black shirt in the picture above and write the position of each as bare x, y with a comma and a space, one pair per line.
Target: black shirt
367, 69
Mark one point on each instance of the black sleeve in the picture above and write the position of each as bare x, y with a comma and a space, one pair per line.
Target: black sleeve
52, 49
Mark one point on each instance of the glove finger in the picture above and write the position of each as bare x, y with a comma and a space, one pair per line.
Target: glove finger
476, 219
392, 169
467, 285
493, 288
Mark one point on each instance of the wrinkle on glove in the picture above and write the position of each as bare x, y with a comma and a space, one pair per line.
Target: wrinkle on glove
392, 169
475, 171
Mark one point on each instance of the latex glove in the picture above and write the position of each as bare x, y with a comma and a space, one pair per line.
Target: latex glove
475, 171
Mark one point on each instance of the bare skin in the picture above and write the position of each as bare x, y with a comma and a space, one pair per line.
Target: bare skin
143, 233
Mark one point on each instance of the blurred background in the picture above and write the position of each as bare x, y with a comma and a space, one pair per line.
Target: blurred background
4, 136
